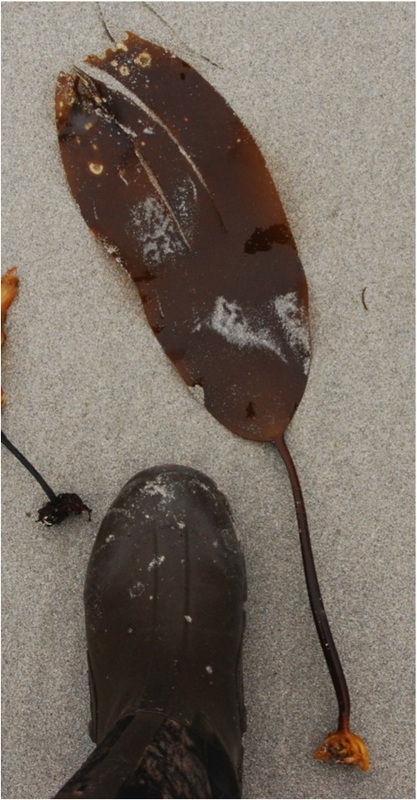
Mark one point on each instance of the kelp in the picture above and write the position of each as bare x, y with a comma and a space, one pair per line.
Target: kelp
174, 186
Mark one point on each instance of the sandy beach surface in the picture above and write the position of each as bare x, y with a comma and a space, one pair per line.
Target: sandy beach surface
327, 90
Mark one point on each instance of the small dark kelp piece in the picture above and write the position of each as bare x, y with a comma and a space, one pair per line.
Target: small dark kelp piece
59, 506
55, 511
174, 186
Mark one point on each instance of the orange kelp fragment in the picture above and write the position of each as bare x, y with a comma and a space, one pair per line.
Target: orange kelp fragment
9, 286
344, 747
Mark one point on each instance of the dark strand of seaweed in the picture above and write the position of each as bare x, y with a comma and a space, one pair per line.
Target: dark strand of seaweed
105, 26
319, 614
34, 472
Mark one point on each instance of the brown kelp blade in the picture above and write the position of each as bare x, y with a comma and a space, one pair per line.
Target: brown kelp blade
172, 183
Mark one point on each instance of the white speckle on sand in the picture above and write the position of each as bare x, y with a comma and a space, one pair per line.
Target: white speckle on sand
209, 669
216, 543
187, 618
110, 538
229, 321
156, 562
137, 589
295, 325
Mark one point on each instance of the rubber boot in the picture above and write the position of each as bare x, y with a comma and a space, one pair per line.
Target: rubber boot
164, 598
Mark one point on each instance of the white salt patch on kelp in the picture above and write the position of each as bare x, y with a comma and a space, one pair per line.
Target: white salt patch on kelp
196, 321
184, 205
153, 179
137, 589
229, 321
294, 323
156, 230
126, 129
156, 562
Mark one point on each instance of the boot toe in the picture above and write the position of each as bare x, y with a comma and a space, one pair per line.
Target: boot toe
164, 597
